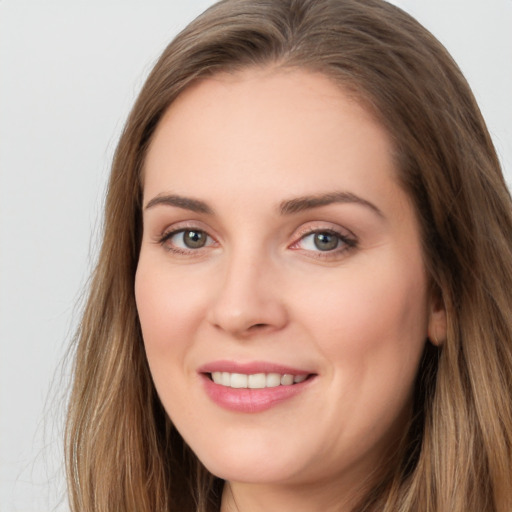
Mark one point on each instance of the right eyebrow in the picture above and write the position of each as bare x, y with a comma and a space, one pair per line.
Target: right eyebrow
187, 203
300, 204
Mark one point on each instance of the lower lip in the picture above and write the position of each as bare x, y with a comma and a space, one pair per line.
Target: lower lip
251, 400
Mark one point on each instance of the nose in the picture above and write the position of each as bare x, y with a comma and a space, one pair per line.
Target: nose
249, 298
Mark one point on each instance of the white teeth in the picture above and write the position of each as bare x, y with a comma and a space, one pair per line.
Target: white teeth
273, 380
286, 380
256, 380
238, 380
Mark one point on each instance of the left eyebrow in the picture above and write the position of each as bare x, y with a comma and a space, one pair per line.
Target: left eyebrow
187, 203
300, 204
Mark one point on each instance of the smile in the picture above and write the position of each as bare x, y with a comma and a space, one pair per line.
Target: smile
253, 386
256, 380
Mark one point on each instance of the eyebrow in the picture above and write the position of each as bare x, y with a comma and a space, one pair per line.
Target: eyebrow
300, 204
288, 207
187, 203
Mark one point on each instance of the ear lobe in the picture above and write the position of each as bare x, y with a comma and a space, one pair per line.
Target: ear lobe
437, 325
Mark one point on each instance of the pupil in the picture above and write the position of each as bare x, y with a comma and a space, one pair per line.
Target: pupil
194, 239
326, 241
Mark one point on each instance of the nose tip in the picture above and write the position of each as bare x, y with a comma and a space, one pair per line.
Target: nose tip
247, 315
247, 303
241, 324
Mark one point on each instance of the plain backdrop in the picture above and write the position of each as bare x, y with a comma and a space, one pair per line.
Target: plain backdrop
69, 72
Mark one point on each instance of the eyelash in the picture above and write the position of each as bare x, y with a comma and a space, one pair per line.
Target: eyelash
167, 236
347, 242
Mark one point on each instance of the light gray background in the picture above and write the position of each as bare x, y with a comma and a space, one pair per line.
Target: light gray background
69, 72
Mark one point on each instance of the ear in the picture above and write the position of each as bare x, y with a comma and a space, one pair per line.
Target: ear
437, 321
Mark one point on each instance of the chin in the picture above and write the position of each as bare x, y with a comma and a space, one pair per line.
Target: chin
246, 473
251, 466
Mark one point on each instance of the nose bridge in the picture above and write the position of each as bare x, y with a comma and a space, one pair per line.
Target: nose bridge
246, 297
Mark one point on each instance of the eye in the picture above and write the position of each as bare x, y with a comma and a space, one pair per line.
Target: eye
322, 241
185, 240
326, 241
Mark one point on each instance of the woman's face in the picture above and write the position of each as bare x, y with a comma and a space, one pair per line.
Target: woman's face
281, 259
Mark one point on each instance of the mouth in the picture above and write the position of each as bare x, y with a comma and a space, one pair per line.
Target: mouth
253, 387
256, 380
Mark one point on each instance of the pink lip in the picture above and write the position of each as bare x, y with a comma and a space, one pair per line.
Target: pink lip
250, 400
250, 368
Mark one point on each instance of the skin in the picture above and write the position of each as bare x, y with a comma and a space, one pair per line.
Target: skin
357, 316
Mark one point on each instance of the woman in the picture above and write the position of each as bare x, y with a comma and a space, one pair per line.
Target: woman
302, 298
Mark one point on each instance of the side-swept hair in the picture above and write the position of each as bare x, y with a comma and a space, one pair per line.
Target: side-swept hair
123, 453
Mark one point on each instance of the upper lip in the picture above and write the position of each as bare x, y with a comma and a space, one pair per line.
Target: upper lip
250, 368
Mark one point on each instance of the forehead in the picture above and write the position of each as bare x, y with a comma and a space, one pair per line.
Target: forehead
272, 93
268, 128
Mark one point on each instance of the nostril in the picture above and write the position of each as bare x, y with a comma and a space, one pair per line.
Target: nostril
257, 327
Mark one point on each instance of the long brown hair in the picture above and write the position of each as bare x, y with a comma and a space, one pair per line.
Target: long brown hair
123, 453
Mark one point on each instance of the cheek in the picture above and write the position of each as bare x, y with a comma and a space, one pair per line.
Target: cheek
372, 327
372, 331
168, 308
372, 303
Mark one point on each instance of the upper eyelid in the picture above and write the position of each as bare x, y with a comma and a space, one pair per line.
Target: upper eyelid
186, 224
167, 234
318, 226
